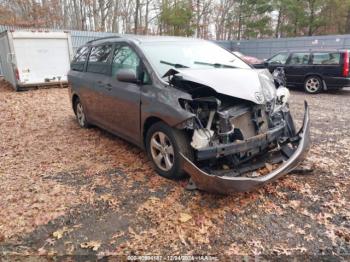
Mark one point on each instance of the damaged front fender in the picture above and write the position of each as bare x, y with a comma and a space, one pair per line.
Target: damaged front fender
230, 184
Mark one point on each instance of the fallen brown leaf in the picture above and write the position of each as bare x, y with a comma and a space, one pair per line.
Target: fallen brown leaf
94, 245
59, 233
184, 217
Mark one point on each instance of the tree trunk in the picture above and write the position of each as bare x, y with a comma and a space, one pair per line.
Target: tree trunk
145, 30
77, 15
198, 18
136, 24
115, 20
277, 32
312, 17
347, 25
65, 14
82, 15
240, 18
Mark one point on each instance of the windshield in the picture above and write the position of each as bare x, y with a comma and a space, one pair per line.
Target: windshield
189, 54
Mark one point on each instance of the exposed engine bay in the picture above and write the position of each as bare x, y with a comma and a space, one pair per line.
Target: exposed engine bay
234, 137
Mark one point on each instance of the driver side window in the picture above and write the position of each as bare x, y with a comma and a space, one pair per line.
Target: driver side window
279, 59
126, 58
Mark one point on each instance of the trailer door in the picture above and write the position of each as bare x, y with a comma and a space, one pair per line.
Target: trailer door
41, 60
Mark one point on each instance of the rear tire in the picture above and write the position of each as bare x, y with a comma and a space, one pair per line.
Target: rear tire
313, 85
80, 114
164, 145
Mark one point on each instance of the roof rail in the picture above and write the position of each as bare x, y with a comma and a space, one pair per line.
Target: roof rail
102, 38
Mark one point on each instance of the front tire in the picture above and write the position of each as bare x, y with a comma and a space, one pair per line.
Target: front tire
164, 145
80, 114
313, 85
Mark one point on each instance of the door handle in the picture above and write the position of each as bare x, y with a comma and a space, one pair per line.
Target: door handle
109, 87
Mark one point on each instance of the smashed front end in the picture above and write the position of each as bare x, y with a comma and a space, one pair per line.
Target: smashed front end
240, 144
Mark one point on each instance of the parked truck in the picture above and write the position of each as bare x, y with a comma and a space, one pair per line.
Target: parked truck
35, 58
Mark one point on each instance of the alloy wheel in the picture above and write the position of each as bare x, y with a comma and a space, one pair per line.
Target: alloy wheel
162, 151
313, 85
80, 114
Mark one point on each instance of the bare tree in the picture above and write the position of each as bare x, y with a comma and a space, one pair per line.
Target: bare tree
219, 19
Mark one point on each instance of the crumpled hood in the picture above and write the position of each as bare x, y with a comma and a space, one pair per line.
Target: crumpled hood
248, 84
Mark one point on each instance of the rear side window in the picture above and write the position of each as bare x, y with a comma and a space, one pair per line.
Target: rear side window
100, 53
80, 58
81, 54
326, 58
99, 59
299, 59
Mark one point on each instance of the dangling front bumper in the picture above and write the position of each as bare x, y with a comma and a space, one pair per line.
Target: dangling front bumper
229, 184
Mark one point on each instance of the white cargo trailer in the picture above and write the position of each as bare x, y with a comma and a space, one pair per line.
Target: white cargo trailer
35, 58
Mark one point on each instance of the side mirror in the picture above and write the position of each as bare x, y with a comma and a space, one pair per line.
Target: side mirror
127, 75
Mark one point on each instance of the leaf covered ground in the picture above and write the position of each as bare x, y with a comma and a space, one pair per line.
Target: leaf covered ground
71, 191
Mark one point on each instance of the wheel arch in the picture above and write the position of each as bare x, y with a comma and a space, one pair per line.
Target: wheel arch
313, 74
150, 121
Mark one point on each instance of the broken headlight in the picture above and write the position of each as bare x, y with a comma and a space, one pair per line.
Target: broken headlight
283, 95
268, 87
189, 123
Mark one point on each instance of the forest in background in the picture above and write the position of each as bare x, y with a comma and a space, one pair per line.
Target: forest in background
209, 19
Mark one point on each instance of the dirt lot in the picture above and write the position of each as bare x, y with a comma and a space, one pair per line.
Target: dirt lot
66, 190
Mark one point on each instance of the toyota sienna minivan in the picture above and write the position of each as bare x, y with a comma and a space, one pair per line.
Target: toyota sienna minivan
195, 108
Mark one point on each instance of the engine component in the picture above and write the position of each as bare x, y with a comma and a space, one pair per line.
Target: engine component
210, 120
225, 128
201, 138
245, 124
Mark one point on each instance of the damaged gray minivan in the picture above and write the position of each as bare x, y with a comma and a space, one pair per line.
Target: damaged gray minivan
193, 106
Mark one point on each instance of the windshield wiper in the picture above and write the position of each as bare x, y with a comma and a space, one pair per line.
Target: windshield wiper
218, 65
174, 65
